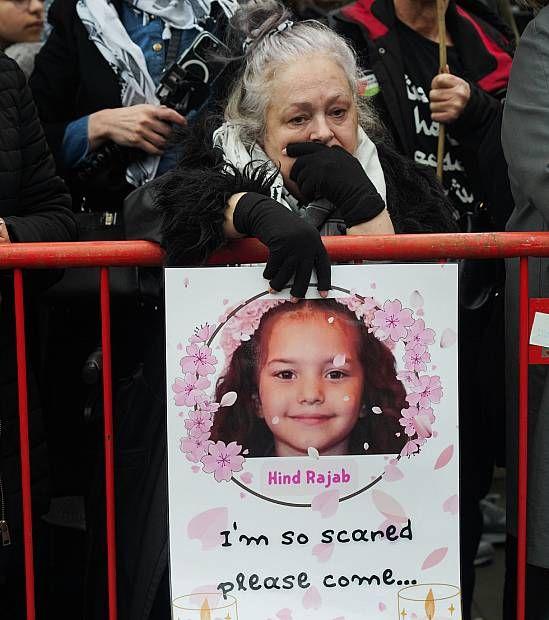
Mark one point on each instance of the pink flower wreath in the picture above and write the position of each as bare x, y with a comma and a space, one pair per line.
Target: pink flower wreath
389, 323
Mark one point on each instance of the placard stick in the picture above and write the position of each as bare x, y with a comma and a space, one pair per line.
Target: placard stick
443, 62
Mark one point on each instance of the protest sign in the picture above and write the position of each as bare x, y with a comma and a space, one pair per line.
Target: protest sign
313, 447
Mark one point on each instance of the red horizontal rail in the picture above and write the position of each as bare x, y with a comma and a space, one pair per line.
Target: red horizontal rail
342, 248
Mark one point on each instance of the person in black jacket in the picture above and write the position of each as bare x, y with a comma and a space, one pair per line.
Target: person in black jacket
397, 44
94, 83
34, 206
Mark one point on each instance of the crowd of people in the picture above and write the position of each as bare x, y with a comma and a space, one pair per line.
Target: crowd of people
352, 151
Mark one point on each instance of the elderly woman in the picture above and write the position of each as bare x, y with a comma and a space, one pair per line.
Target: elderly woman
298, 140
286, 165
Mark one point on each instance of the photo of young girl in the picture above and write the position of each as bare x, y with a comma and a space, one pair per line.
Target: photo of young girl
311, 375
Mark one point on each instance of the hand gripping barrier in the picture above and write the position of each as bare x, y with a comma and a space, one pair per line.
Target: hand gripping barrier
19, 256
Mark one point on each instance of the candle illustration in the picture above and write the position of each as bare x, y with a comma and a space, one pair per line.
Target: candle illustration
205, 606
205, 611
429, 601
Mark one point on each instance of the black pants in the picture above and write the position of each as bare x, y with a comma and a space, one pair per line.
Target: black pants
537, 583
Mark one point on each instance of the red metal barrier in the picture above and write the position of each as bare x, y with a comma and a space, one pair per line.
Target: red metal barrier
341, 249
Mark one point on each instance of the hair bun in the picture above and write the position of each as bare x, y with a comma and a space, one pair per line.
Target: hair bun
255, 19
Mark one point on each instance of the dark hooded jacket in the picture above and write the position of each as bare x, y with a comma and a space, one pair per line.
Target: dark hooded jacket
35, 206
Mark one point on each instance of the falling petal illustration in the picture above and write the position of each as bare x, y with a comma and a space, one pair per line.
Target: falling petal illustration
228, 399
393, 473
247, 477
313, 453
445, 457
195, 469
326, 503
179, 346
448, 338
206, 526
416, 300
451, 505
246, 451
434, 558
284, 614
225, 302
389, 507
275, 420
242, 495
346, 398
373, 285
186, 282
366, 446
331, 319
377, 410
323, 551
311, 599
339, 360
382, 607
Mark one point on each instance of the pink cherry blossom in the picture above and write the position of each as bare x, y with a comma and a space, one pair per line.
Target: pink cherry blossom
426, 390
222, 460
202, 333
209, 407
199, 360
419, 338
189, 391
407, 377
359, 306
392, 322
417, 422
195, 447
411, 447
416, 360
198, 422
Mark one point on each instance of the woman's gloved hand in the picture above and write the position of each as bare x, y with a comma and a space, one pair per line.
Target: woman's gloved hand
331, 172
295, 246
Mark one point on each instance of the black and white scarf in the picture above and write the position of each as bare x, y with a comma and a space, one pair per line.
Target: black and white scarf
126, 59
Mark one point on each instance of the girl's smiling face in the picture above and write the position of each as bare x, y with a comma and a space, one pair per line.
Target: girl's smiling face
306, 399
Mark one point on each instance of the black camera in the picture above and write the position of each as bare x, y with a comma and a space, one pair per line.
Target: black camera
184, 87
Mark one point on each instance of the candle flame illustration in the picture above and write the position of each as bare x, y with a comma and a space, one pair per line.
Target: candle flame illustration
205, 611
430, 605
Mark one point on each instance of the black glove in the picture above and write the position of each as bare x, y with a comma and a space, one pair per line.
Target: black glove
331, 172
295, 247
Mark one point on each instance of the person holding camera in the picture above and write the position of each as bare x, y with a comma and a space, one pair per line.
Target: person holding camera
94, 83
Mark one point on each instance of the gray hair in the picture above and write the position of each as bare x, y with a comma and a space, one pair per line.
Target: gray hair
268, 49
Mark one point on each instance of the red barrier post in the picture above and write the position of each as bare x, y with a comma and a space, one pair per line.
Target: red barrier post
108, 440
24, 439
522, 438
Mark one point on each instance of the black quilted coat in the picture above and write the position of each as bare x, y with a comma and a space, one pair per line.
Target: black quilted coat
35, 207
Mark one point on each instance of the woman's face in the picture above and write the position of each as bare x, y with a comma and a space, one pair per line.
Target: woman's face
310, 383
20, 21
311, 101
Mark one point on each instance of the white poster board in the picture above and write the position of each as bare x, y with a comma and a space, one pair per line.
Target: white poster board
364, 523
